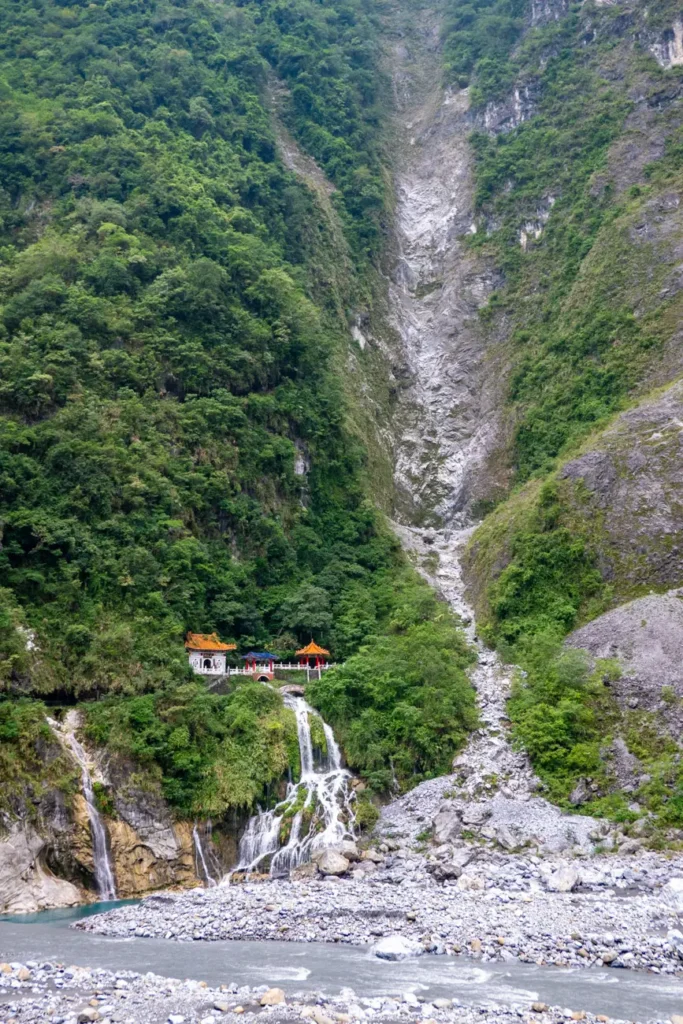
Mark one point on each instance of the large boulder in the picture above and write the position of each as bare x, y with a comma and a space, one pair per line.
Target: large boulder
442, 871
349, 850
396, 947
580, 793
329, 862
272, 997
447, 824
476, 814
563, 880
673, 894
506, 838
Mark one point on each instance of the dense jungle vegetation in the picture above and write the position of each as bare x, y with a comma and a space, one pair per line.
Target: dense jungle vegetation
590, 317
174, 443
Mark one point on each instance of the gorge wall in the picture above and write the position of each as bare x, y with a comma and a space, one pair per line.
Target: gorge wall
554, 185
258, 280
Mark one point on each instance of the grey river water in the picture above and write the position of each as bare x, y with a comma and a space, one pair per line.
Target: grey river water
316, 967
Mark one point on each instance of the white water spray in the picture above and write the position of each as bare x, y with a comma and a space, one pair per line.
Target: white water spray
322, 796
104, 875
200, 858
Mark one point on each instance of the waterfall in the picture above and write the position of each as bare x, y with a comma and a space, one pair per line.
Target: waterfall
200, 858
321, 799
104, 876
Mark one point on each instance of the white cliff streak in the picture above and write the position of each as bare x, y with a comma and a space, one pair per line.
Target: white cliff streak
436, 288
447, 427
669, 51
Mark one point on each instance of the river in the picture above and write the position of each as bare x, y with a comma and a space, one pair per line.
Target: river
317, 967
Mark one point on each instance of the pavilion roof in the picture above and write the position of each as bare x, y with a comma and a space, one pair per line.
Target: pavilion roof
260, 656
313, 648
207, 642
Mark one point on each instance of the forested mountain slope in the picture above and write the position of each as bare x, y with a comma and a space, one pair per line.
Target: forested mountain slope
255, 256
176, 441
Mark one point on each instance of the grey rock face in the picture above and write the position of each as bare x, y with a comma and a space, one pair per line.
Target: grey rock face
646, 637
26, 885
631, 484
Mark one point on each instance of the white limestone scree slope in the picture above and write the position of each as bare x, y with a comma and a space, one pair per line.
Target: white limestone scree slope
446, 424
445, 421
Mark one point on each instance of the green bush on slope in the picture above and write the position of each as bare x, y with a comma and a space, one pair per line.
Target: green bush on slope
402, 706
549, 578
211, 753
478, 37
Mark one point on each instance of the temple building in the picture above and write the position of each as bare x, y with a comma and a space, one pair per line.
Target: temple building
207, 654
261, 664
312, 656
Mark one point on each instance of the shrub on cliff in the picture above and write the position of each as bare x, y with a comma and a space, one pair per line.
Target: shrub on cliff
403, 705
210, 753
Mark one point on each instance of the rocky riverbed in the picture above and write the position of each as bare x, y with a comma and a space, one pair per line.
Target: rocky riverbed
520, 909
50, 993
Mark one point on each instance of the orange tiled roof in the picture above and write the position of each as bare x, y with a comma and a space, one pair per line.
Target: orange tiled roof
313, 649
207, 642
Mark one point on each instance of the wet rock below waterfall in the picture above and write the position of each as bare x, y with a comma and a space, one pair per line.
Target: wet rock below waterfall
329, 862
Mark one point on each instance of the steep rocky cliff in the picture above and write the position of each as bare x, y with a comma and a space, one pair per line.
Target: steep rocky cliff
46, 846
593, 432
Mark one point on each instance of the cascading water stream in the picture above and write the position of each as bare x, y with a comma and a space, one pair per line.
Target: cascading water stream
200, 858
104, 875
321, 798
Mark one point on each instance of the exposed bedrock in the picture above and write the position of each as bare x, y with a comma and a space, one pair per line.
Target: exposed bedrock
445, 417
646, 636
46, 851
629, 483
26, 884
